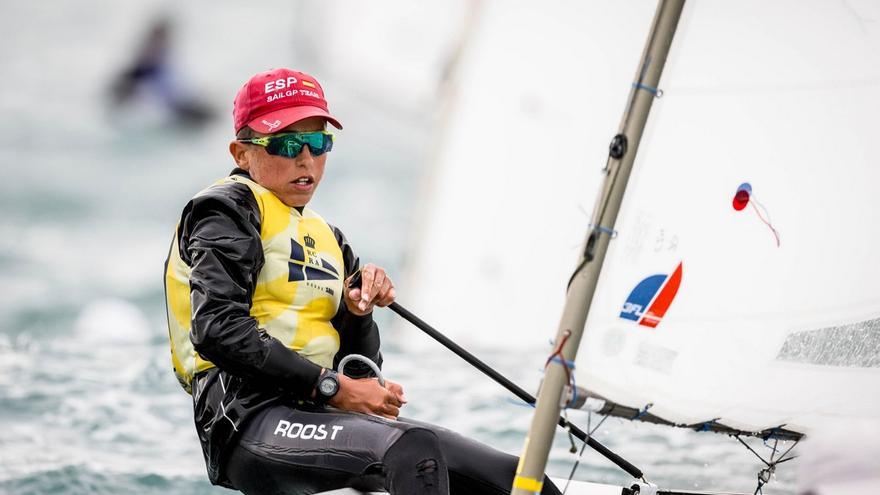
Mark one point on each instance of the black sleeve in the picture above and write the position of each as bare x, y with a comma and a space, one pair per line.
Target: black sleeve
220, 240
357, 334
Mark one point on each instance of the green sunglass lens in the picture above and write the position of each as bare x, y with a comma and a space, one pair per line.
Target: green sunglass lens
291, 145
284, 146
319, 143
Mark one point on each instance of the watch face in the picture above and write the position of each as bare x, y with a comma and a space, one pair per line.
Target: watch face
328, 386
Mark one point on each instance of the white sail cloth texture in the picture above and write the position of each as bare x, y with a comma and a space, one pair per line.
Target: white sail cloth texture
743, 282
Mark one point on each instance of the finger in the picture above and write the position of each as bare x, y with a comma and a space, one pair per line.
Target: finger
366, 307
368, 275
378, 284
394, 400
396, 395
399, 400
354, 294
389, 298
395, 388
391, 411
383, 288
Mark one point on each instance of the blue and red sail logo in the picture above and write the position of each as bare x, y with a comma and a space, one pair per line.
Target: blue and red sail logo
650, 299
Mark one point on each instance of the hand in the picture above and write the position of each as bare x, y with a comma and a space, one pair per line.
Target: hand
367, 396
376, 290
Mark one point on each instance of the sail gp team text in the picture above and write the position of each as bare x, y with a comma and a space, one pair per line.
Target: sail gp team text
291, 92
305, 431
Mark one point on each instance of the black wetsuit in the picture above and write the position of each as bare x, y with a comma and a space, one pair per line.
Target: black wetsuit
258, 430
285, 450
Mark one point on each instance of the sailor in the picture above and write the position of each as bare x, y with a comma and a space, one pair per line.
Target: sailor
151, 80
260, 315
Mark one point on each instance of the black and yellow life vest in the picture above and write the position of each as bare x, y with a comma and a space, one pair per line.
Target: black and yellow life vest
298, 288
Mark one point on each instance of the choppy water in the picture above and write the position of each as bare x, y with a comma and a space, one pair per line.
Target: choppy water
88, 402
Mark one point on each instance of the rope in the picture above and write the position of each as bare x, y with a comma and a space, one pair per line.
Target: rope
573, 448
577, 461
566, 363
558, 353
588, 256
755, 205
766, 473
576, 464
597, 426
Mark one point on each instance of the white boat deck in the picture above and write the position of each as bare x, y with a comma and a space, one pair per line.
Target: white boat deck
575, 488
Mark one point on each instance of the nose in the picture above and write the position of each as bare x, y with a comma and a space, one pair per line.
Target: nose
305, 157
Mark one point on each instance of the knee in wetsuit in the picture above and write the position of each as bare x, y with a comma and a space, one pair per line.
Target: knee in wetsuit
415, 464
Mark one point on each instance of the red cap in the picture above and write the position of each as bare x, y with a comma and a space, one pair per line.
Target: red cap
272, 100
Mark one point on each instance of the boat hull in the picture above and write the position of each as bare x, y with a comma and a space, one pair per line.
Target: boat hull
574, 488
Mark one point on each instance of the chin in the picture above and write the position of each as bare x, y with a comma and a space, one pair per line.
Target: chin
297, 202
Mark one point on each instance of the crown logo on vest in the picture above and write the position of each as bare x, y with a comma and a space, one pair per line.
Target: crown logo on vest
310, 243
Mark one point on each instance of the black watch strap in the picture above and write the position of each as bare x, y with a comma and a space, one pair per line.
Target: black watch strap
327, 387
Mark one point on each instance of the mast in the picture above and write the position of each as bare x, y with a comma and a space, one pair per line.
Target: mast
530, 471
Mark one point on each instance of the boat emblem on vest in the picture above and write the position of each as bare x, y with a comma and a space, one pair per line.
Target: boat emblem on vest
309, 265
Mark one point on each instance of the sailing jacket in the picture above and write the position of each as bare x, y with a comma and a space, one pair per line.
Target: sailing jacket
253, 291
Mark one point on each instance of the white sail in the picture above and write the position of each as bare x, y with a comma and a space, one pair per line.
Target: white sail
780, 97
533, 100
760, 310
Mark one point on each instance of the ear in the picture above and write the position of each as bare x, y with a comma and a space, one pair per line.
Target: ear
239, 153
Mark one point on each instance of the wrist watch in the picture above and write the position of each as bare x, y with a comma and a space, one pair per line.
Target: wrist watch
328, 385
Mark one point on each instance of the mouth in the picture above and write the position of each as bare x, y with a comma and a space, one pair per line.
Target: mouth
303, 183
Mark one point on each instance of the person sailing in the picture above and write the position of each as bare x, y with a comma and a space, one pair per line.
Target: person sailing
260, 314
151, 80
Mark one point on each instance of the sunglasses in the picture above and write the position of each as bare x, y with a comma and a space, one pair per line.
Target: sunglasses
290, 144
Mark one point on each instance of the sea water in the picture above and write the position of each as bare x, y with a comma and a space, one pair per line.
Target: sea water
90, 197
